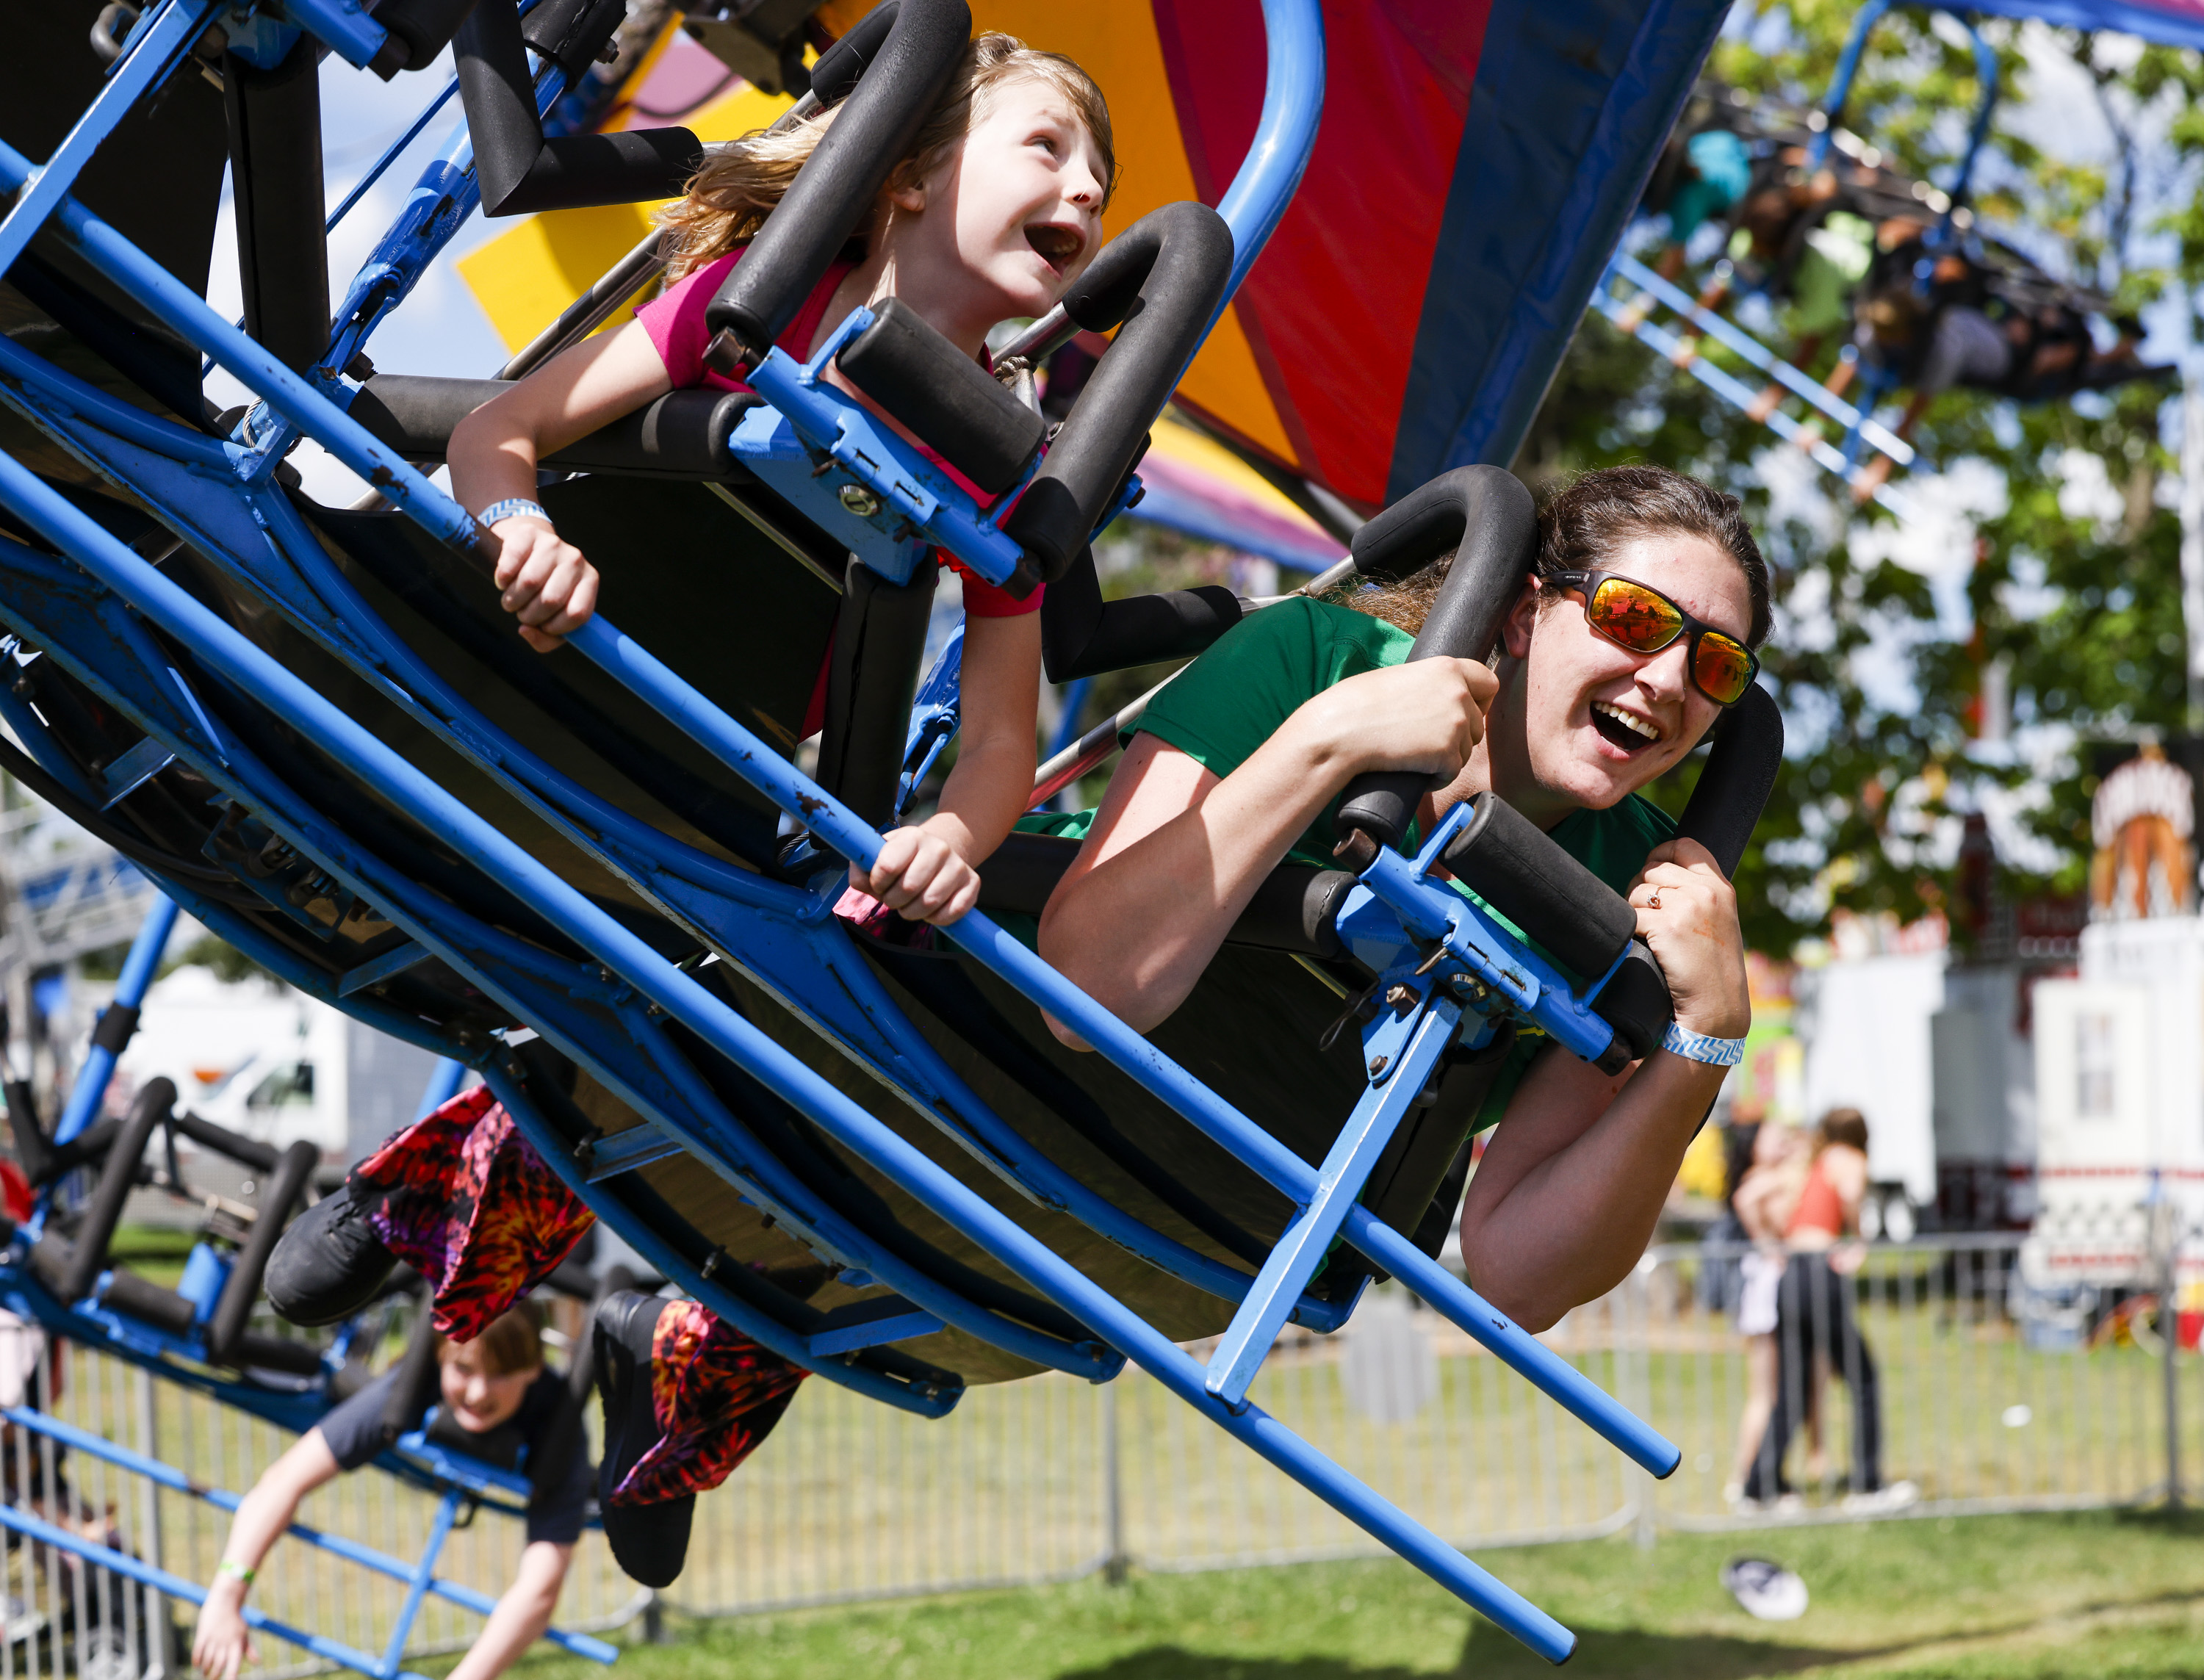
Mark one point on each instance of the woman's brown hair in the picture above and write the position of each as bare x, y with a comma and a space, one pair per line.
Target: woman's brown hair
730, 198
1584, 524
1845, 1127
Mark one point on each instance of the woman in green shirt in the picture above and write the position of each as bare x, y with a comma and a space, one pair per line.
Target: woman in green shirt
1237, 766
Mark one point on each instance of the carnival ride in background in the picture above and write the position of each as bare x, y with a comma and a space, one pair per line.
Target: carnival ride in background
61, 1275
599, 880
1858, 268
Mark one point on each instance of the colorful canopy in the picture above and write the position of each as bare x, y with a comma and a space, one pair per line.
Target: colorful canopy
1476, 161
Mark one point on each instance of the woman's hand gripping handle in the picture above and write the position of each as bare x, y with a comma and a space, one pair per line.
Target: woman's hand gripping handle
1487, 517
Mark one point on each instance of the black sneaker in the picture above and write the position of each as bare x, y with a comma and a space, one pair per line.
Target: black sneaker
329, 1263
649, 1542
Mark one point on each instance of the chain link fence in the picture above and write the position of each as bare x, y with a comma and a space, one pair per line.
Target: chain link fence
2002, 1384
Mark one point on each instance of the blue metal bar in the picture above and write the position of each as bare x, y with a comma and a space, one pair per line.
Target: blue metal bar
344, 24
175, 1587
138, 970
1285, 134
1986, 73
444, 1082
440, 1530
1840, 84
84, 1441
152, 51
1307, 1238
413, 134
1800, 384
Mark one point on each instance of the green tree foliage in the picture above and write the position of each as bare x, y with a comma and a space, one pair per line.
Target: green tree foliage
2075, 587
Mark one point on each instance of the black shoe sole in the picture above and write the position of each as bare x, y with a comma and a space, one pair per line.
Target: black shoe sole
327, 1265
650, 1542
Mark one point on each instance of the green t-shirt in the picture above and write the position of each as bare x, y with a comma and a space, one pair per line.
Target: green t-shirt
1237, 695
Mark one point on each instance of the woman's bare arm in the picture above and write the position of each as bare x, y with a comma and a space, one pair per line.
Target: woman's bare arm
1568, 1192
1175, 853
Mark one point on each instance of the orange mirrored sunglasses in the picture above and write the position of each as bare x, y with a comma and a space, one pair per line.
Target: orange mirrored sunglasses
1633, 615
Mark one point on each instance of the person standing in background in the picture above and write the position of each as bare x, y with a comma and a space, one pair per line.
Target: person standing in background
1814, 1319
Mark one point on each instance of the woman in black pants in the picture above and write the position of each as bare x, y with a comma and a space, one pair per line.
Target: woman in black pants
1815, 1322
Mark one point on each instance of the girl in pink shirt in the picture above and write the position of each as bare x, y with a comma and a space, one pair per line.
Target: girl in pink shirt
994, 214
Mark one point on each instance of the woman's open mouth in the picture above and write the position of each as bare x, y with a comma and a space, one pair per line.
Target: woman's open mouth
1058, 247
1619, 729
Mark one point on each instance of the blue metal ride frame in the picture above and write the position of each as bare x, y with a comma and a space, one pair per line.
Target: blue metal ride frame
90, 1087
83, 622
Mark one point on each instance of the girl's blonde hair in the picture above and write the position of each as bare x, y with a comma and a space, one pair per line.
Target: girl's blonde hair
730, 198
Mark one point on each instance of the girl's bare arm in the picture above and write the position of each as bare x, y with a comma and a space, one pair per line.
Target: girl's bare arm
928, 872
547, 583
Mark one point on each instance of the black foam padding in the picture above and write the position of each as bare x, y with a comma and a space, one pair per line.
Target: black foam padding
426, 26
1019, 875
1293, 910
572, 31
835, 191
245, 1152
682, 434
32, 1150
943, 396
276, 174
88, 1252
1488, 519
1522, 872
521, 172
281, 1197
117, 1026
880, 641
1740, 773
1183, 255
1636, 1003
840, 68
146, 1301
410, 1395
1082, 635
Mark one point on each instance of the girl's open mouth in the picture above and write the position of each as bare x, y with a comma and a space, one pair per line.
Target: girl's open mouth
1058, 247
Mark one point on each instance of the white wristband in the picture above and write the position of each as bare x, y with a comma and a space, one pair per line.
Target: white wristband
1697, 1047
510, 507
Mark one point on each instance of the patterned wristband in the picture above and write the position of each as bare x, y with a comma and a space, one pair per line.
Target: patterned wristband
511, 505
1697, 1047
231, 1566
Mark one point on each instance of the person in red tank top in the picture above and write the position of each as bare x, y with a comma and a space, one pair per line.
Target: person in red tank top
995, 211
1817, 1327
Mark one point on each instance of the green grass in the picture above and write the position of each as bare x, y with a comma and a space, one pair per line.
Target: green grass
2033, 1598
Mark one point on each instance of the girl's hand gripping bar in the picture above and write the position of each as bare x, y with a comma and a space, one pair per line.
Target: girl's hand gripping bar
1486, 516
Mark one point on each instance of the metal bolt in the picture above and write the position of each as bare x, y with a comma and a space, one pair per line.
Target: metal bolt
1377, 1065
1402, 999
860, 500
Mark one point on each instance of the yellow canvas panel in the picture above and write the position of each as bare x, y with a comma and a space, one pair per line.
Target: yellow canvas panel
1176, 440
524, 276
